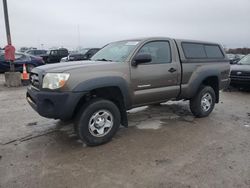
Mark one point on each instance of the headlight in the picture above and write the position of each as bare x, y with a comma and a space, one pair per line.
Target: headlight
55, 80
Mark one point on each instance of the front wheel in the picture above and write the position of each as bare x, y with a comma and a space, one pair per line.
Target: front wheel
98, 122
203, 103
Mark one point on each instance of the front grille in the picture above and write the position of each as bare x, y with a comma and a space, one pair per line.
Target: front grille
240, 73
34, 80
242, 78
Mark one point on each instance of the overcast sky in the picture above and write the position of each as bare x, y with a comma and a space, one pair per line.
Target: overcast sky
92, 23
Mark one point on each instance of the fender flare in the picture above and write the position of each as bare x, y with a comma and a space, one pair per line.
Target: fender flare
109, 81
196, 81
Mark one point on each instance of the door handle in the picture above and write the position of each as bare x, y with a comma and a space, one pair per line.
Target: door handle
172, 70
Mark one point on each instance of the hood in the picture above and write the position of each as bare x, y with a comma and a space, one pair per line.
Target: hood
67, 66
240, 68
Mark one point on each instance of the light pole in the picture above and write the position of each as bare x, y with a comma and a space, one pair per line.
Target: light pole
7, 26
12, 78
6, 18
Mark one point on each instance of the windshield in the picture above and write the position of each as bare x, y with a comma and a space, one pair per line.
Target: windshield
245, 60
83, 51
117, 51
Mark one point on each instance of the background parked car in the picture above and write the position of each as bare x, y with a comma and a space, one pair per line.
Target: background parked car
240, 73
234, 58
84, 54
21, 58
91, 52
23, 49
240, 55
55, 56
73, 57
36, 52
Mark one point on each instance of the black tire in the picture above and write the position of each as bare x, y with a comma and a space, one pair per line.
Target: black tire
82, 122
196, 104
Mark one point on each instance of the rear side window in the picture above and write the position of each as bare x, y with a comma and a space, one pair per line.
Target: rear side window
213, 51
194, 50
201, 51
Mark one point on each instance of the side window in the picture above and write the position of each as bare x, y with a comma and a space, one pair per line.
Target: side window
159, 51
2, 57
90, 51
53, 52
31, 52
63, 52
201, 51
213, 51
193, 51
38, 52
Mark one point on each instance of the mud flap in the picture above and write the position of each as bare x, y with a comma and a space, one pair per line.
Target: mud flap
124, 118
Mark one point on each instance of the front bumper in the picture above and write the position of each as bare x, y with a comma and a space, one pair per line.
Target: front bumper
240, 80
57, 105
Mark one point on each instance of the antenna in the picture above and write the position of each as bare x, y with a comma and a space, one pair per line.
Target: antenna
78, 36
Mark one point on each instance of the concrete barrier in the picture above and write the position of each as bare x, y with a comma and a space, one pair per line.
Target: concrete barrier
12, 79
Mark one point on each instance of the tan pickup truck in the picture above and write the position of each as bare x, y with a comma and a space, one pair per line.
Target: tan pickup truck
127, 74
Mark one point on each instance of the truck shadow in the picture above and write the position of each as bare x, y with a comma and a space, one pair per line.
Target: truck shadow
147, 117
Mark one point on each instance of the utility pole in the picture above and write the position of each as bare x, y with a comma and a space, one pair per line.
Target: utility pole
6, 18
9, 49
78, 37
12, 78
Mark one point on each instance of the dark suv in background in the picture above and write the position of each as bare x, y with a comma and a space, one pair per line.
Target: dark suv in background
54, 56
84, 54
90, 52
240, 73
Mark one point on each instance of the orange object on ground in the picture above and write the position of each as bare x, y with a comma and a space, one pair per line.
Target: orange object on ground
25, 75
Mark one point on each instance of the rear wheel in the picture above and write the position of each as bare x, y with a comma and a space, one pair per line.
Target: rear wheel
98, 122
203, 103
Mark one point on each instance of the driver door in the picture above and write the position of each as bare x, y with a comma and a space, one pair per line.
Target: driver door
157, 80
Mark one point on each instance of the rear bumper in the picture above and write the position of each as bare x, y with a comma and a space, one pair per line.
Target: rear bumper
57, 105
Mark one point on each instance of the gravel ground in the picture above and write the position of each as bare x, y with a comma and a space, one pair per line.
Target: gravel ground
164, 146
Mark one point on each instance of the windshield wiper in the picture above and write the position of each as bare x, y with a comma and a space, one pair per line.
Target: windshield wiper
103, 59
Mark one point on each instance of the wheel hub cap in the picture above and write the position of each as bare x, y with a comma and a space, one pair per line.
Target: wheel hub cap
206, 102
100, 123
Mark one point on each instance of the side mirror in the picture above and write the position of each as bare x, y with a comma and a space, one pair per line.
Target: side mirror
141, 58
